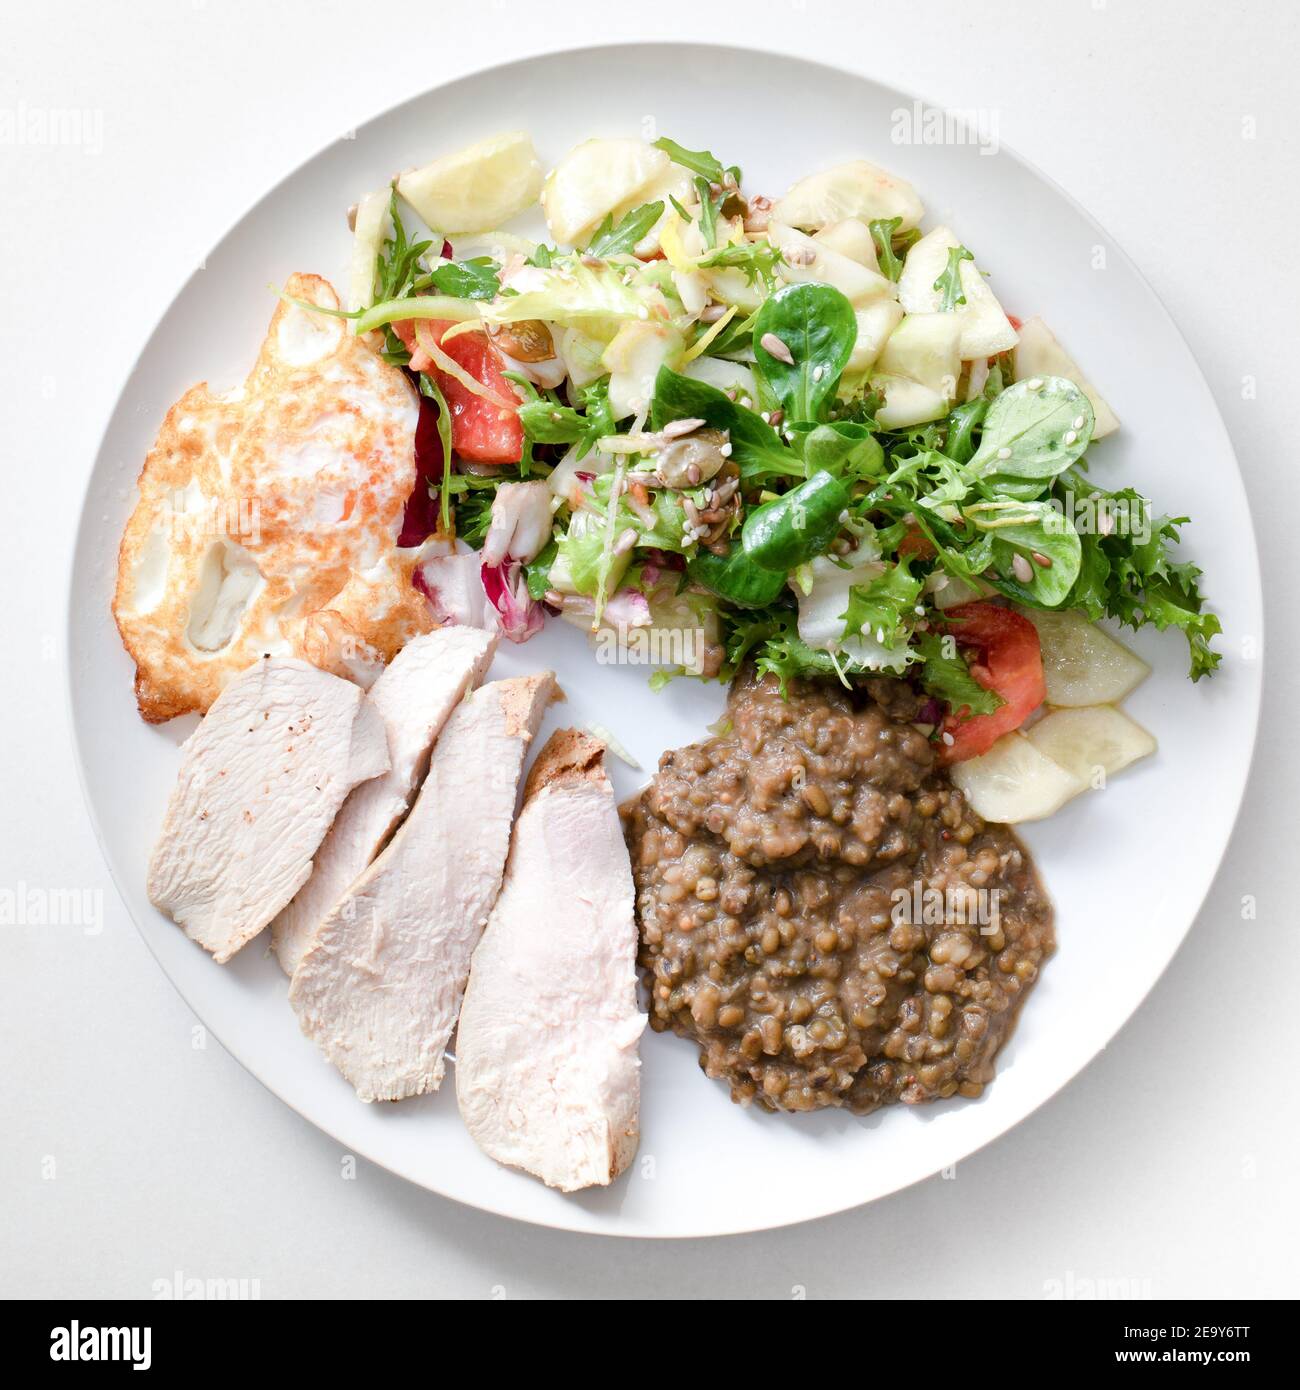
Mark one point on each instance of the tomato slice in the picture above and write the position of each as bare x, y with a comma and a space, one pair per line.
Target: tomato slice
917, 543
1003, 654
481, 430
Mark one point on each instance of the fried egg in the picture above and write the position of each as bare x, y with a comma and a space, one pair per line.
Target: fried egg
268, 518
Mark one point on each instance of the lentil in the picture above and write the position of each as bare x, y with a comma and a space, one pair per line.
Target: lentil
809, 821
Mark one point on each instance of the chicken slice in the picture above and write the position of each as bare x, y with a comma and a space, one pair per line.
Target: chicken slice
380, 985
547, 1074
261, 781
425, 681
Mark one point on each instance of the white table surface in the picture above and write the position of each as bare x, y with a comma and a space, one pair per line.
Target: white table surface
128, 1154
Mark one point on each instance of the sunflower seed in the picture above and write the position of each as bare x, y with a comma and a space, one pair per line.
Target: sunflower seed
774, 347
676, 428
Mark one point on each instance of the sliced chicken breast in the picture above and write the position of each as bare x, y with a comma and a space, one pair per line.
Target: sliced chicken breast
547, 1073
260, 784
380, 985
425, 681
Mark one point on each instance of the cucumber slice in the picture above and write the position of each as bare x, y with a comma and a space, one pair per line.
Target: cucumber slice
855, 189
923, 348
592, 180
875, 323
1015, 781
985, 328
807, 259
852, 238
1086, 741
907, 403
477, 188
1082, 664
1039, 354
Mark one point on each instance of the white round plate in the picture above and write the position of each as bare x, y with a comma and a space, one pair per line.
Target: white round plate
1128, 869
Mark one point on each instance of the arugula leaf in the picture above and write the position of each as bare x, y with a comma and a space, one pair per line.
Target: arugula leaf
537, 573
430, 388
701, 162
945, 675
398, 261
736, 337
756, 448
882, 233
708, 212
757, 259
542, 256
885, 608
473, 279
474, 516
611, 240
948, 284
818, 328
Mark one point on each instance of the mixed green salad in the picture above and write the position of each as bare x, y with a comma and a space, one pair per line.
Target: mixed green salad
802, 428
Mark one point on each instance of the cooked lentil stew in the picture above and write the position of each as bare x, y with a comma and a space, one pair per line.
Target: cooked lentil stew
814, 905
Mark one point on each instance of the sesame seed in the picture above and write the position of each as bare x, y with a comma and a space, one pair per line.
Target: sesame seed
1077, 422
949, 740
1070, 436
1004, 453
725, 450
1034, 384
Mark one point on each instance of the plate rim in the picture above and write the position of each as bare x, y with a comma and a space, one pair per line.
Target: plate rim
634, 49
